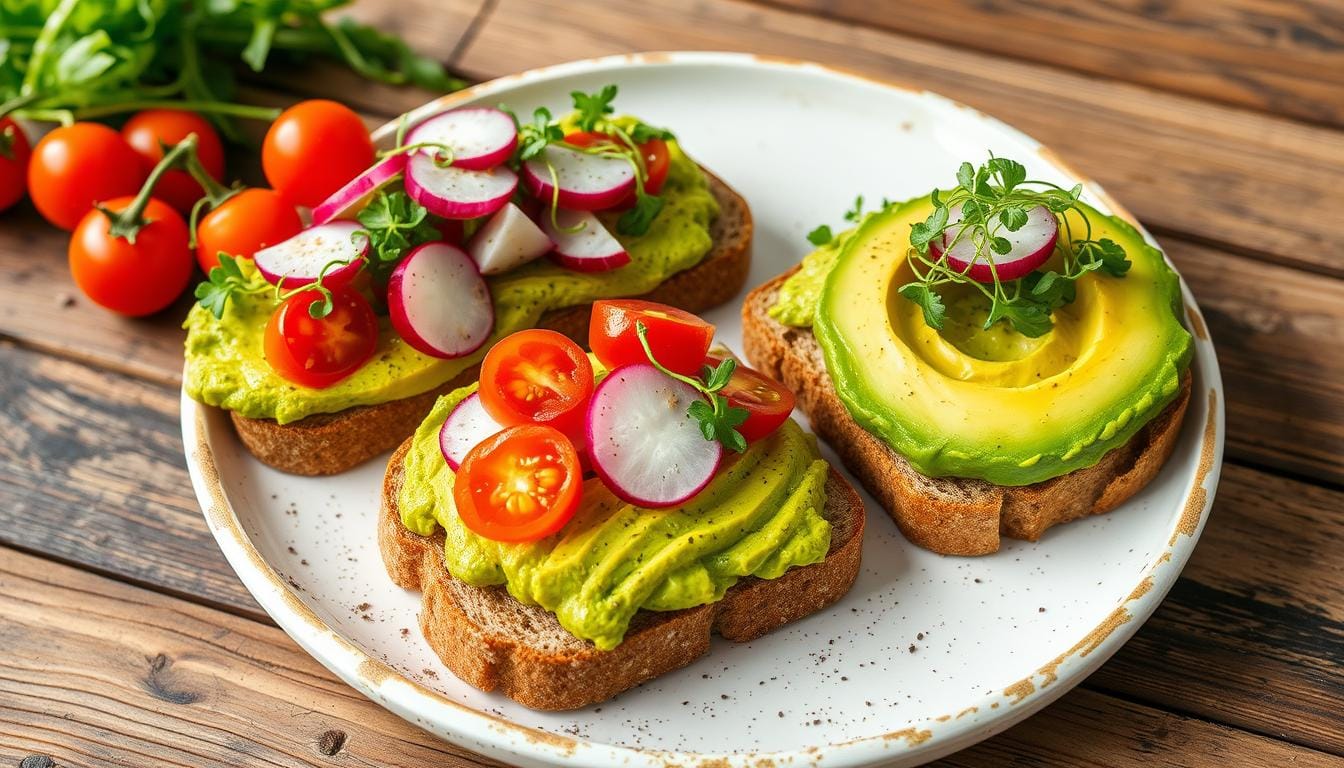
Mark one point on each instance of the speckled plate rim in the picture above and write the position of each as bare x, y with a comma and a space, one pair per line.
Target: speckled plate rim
503, 739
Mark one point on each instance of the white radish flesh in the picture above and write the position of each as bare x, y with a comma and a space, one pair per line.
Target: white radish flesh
509, 239
466, 427
1031, 244
301, 259
454, 193
439, 303
582, 243
349, 200
479, 138
643, 443
587, 182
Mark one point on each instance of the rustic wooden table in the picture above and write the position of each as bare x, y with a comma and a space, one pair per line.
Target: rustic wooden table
125, 639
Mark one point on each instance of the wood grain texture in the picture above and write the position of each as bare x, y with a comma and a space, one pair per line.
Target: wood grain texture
1181, 164
1280, 56
104, 673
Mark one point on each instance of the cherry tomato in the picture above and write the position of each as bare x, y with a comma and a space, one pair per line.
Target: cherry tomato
679, 339
131, 278
313, 149
318, 352
522, 484
656, 157
767, 402
77, 166
14, 154
537, 376
147, 132
244, 224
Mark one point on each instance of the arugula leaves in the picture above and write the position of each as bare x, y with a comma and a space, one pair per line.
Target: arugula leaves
717, 419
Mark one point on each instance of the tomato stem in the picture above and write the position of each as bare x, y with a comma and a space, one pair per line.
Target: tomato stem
128, 223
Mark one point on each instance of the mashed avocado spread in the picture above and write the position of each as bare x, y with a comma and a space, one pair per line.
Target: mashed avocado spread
759, 517
225, 365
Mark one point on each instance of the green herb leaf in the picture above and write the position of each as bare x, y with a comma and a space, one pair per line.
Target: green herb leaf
716, 418
1010, 172
593, 107
928, 300
719, 376
966, 176
820, 236
636, 221
642, 133
1000, 245
923, 232
224, 282
1028, 317
394, 224
856, 212
1013, 217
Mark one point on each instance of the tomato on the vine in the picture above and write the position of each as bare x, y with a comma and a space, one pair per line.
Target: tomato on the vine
14, 154
537, 376
132, 278
244, 224
767, 402
679, 339
522, 484
149, 131
313, 149
78, 166
318, 352
656, 158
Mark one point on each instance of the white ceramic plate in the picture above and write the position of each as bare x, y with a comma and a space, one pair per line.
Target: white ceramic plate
926, 655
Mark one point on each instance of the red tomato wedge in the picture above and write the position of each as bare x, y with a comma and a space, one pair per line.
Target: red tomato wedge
522, 484
537, 376
767, 402
656, 157
317, 353
679, 339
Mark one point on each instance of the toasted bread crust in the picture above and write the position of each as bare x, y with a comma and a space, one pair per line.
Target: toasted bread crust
952, 516
329, 443
490, 640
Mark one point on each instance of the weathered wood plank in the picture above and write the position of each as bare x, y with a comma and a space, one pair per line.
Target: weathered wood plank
1274, 55
1221, 174
86, 681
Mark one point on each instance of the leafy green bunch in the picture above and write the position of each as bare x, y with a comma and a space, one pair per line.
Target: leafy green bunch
68, 60
717, 419
992, 199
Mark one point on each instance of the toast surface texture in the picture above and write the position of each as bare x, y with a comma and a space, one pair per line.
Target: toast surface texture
493, 642
949, 515
329, 443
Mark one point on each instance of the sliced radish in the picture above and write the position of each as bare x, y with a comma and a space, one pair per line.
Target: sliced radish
587, 182
439, 303
582, 243
300, 259
349, 200
480, 137
509, 239
643, 442
1032, 245
467, 427
455, 193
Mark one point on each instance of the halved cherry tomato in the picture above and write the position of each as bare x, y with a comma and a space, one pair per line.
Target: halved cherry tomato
244, 224
522, 484
136, 276
78, 166
315, 352
149, 131
767, 402
537, 376
679, 339
14, 154
654, 151
313, 149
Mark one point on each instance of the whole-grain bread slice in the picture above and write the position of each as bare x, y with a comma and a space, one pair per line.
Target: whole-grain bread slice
949, 515
328, 443
492, 641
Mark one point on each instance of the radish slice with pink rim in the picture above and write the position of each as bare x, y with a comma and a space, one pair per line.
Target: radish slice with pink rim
301, 259
348, 201
588, 182
454, 193
439, 303
479, 138
1032, 245
582, 243
509, 239
643, 443
465, 428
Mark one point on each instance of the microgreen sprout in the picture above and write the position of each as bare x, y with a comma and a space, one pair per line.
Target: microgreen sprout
717, 419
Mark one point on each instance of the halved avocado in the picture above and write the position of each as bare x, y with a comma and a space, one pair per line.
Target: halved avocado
994, 404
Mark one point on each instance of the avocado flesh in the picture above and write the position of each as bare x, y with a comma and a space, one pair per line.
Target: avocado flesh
1039, 408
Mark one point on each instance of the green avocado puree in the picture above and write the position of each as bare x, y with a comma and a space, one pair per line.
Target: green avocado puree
759, 517
226, 366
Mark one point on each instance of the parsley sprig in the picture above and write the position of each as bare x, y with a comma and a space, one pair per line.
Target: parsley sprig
225, 282
394, 224
993, 198
717, 419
